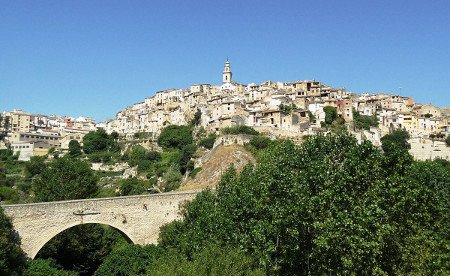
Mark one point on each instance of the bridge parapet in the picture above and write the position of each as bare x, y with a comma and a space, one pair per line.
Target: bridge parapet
138, 217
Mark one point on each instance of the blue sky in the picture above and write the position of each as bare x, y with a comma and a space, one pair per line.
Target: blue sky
94, 58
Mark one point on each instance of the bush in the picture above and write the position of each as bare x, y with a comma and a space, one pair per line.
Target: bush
208, 142
132, 186
260, 142
175, 137
65, 178
74, 148
195, 171
330, 114
364, 121
241, 129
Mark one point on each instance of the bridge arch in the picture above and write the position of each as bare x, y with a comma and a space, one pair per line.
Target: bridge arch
138, 217
53, 232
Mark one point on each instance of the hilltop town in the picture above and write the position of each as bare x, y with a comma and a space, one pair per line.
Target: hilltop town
287, 110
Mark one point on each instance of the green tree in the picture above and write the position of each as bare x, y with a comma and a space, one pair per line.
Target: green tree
74, 148
41, 267
82, 248
65, 178
186, 155
208, 142
133, 186
130, 260
212, 260
240, 129
197, 116
397, 139
12, 259
34, 166
143, 159
363, 121
328, 206
447, 141
330, 114
97, 141
174, 136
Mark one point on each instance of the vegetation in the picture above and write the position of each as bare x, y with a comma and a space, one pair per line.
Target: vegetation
175, 137
364, 121
99, 141
197, 116
330, 114
46, 267
287, 108
12, 259
82, 248
133, 186
208, 142
397, 140
447, 141
240, 129
330, 206
65, 178
143, 159
74, 148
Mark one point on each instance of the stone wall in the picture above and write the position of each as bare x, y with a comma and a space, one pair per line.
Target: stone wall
138, 217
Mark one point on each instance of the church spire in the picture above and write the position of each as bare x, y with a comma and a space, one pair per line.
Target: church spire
227, 75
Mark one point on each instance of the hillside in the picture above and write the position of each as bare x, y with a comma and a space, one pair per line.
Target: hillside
221, 158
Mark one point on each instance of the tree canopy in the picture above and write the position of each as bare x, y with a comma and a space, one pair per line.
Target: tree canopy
98, 141
65, 178
329, 206
74, 148
12, 258
174, 136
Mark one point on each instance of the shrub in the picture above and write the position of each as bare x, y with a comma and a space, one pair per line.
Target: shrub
175, 137
240, 129
208, 142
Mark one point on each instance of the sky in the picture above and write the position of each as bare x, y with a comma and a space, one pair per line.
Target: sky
94, 58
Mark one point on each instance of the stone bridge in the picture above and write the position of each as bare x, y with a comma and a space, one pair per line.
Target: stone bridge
138, 217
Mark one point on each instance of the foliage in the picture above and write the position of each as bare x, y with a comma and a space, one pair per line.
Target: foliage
330, 114
172, 179
8, 195
48, 267
329, 206
311, 117
143, 159
447, 141
82, 248
212, 260
174, 136
7, 154
285, 108
34, 166
398, 139
240, 129
99, 141
133, 186
260, 142
186, 154
428, 115
208, 142
364, 121
130, 260
196, 119
12, 259
74, 148
195, 171
65, 178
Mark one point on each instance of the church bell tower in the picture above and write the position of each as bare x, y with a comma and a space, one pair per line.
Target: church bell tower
226, 76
